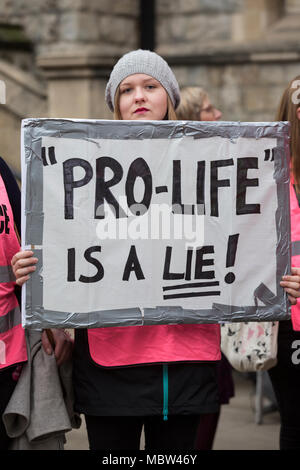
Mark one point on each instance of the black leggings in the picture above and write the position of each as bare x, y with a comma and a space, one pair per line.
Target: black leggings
285, 378
124, 432
7, 385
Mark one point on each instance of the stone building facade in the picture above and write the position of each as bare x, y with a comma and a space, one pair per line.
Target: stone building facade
56, 55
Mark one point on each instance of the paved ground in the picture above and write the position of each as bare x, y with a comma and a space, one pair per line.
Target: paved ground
237, 428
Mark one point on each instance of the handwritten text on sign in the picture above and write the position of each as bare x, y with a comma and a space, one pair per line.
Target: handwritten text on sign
146, 223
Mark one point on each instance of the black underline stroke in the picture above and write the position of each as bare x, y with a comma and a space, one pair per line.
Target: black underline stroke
193, 284
192, 294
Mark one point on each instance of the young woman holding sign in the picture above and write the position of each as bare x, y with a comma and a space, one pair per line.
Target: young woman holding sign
161, 377
164, 376
148, 375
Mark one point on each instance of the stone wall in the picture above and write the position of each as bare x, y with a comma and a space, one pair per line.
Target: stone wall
243, 92
242, 51
292, 6
185, 26
25, 97
108, 27
74, 45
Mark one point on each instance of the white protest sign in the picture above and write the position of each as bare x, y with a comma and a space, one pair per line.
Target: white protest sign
186, 222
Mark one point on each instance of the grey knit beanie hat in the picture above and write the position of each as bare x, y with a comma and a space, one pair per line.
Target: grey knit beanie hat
147, 62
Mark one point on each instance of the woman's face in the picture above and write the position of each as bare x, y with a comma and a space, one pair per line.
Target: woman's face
142, 97
208, 112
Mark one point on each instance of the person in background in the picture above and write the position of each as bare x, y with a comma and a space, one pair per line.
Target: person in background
195, 105
285, 376
12, 337
13, 351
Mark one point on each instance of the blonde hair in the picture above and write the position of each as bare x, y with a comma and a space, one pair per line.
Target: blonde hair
287, 111
191, 102
170, 116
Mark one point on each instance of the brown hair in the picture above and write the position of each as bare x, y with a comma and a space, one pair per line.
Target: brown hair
191, 102
287, 111
170, 116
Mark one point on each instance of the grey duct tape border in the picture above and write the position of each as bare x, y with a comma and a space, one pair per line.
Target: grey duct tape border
34, 189
276, 306
102, 129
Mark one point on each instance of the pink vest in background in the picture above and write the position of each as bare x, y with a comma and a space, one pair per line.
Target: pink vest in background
12, 335
295, 238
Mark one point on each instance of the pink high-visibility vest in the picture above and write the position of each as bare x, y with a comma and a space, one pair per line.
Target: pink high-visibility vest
128, 345
12, 335
295, 239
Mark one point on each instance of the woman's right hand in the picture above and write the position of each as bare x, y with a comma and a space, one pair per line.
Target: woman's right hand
23, 263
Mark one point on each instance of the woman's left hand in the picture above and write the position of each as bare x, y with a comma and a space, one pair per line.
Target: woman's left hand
291, 285
62, 344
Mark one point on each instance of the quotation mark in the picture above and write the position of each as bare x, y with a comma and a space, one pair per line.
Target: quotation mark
268, 154
51, 156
